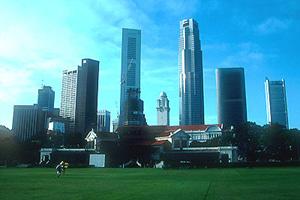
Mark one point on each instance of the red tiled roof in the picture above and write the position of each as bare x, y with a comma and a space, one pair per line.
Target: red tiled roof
159, 142
161, 131
195, 127
170, 129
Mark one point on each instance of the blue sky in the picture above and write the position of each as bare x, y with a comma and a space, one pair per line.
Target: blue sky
39, 39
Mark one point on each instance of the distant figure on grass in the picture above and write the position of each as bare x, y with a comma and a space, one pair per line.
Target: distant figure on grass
59, 168
65, 166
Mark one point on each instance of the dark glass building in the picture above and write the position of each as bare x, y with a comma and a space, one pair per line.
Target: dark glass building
103, 121
29, 122
191, 103
134, 109
231, 96
131, 106
46, 98
87, 96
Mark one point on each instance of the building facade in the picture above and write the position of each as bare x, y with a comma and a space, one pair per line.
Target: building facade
231, 96
191, 100
46, 98
103, 121
131, 106
163, 110
87, 97
29, 122
276, 102
68, 96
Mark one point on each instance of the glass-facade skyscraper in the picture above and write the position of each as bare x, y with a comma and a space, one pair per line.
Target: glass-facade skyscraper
79, 97
46, 98
29, 121
131, 106
231, 96
87, 96
191, 100
276, 102
103, 121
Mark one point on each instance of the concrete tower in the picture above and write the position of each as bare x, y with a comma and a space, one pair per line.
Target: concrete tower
163, 110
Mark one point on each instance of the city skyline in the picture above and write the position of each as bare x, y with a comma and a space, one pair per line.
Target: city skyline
265, 45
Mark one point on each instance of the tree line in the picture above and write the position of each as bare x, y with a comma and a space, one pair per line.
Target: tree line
268, 143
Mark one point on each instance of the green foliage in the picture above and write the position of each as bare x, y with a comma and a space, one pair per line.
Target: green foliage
267, 143
8, 147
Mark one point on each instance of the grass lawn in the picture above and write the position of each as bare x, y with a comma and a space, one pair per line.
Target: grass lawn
154, 184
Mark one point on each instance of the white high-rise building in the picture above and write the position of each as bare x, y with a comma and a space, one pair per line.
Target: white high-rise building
163, 110
276, 102
68, 96
191, 103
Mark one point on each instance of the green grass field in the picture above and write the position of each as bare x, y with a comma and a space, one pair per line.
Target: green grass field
88, 183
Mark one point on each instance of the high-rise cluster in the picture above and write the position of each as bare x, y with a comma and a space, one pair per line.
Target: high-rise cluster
79, 97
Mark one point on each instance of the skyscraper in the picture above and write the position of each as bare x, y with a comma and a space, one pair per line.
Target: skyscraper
46, 98
79, 97
163, 110
87, 96
276, 102
103, 121
68, 97
131, 106
231, 96
29, 121
191, 103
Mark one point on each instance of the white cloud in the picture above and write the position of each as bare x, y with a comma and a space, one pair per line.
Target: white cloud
272, 25
244, 55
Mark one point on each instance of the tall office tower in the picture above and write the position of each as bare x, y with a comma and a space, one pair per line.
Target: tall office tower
68, 97
87, 97
103, 121
134, 109
191, 103
46, 98
130, 79
231, 96
29, 122
276, 102
115, 124
163, 110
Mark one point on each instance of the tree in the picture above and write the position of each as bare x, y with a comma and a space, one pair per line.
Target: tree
246, 137
277, 143
8, 147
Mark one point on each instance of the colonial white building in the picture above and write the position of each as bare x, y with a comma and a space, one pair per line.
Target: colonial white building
189, 134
